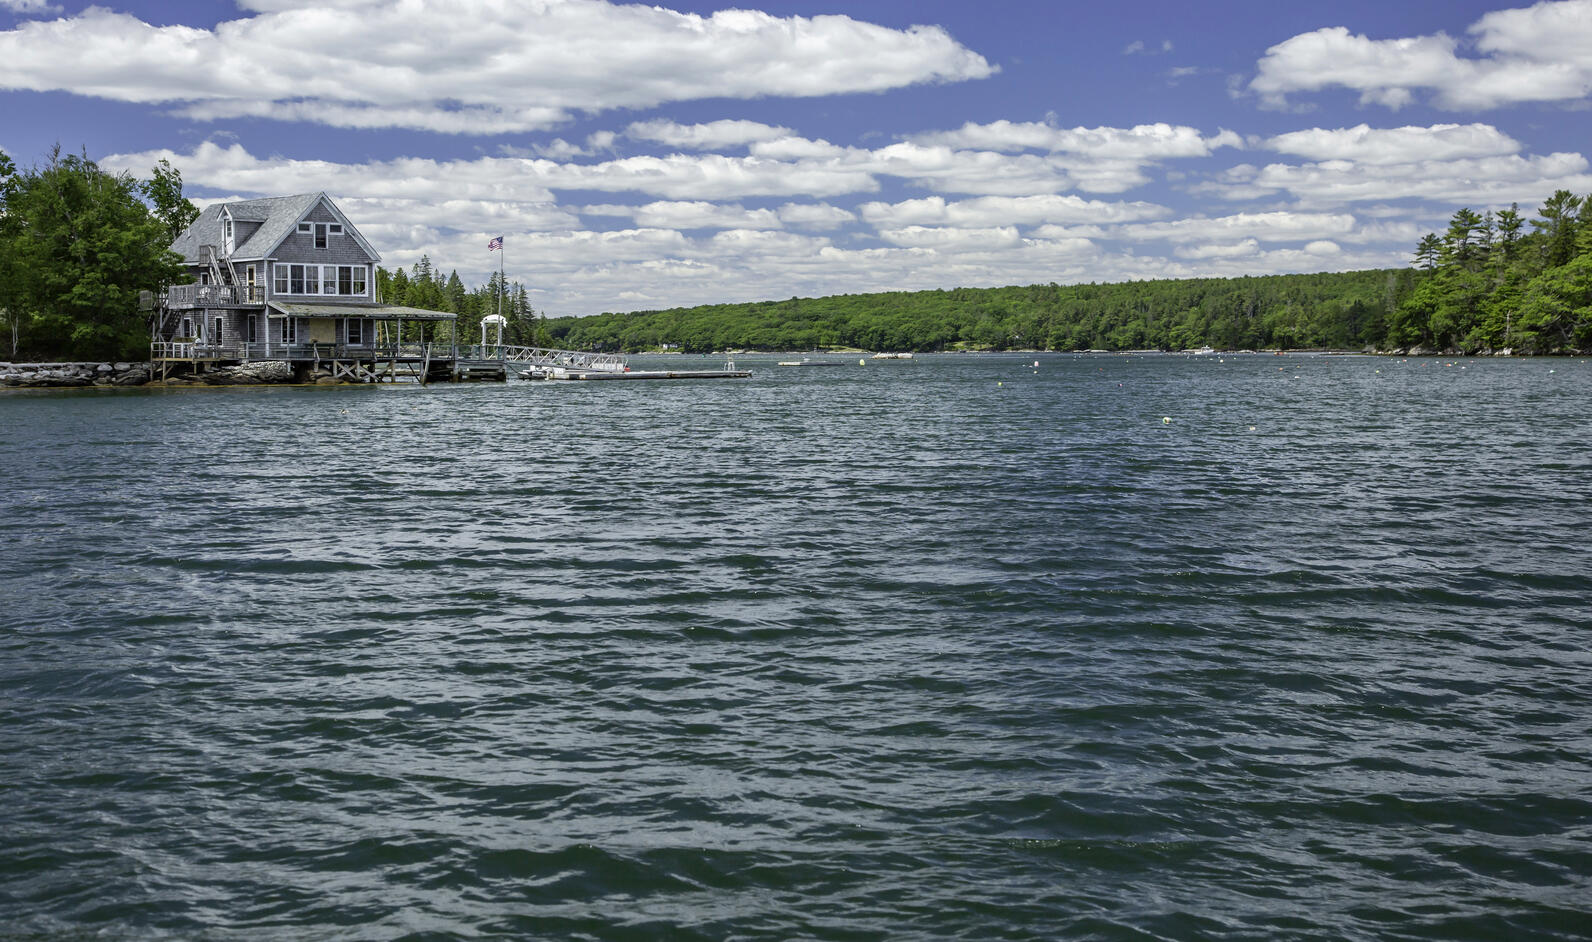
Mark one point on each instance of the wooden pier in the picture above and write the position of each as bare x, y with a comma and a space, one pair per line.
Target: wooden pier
417, 362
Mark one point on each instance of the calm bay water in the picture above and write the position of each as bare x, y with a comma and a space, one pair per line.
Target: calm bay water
948, 648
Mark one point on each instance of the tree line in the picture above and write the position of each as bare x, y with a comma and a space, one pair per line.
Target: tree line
1338, 310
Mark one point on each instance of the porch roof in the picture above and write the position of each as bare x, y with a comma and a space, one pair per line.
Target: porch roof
381, 312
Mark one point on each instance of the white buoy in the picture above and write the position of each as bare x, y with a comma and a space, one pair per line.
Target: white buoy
1166, 420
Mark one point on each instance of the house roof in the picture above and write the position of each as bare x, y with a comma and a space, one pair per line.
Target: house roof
278, 217
387, 312
282, 214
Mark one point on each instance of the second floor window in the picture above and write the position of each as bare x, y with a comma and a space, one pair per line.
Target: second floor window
320, 279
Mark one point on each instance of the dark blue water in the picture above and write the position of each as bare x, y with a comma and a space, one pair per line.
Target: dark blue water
949, 648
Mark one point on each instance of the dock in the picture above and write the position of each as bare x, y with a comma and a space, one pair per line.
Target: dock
641, 374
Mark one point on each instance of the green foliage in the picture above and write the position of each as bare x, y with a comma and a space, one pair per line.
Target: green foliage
164, 190
1347, 310
1486, 284
77, 246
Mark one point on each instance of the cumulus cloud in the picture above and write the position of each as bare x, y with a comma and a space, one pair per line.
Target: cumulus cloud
1472, 181
1280, 226
1537, 53
468, 66
1005, 210
1142, 142
711, 136
815, 216
1396, 145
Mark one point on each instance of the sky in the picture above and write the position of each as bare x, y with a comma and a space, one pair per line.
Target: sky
637, 157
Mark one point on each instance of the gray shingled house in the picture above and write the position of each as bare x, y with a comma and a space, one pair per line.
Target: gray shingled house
282, 278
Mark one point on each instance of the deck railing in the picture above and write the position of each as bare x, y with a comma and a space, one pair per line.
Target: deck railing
522, 357
183, 297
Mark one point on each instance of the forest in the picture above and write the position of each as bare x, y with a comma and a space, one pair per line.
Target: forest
79, 246
1486, 284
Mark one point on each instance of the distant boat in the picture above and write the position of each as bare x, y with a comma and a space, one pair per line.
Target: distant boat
892, 356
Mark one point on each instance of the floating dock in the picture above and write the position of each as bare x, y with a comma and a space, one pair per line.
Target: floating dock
593, 375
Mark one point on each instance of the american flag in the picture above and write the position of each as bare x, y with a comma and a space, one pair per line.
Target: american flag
495, 244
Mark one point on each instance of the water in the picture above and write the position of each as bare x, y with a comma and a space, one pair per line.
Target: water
948, 648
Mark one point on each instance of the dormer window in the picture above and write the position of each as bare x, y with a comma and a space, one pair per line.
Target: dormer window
226, 233
320, 235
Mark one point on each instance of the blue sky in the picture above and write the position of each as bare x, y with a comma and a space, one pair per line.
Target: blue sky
650, 156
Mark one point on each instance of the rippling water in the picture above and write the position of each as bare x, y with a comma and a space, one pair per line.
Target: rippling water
944, 648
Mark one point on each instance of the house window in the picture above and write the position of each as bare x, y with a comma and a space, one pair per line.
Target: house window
354, 331
329, 279
248, 275
304, 227
320, 235
280, 271
254, 328
226, 231
187, 327
296, 282
345, 280
335, 228
216, 337
312, 279
359, 281
289, 331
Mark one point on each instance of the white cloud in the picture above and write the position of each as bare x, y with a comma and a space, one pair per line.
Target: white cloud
1274, 227
1244, 249
1538, 53
711, 136
700, 214
468, 66
1004, 210
1144, 142
951, 239
1483, 181
815, 216
1396, 145
30, 7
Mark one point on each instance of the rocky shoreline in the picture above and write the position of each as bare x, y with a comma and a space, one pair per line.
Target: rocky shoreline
46, 375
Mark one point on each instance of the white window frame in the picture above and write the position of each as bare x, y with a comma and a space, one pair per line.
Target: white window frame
279, 275
353, 332
306, 227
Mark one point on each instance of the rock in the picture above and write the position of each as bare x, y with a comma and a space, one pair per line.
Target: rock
104, 368
1420, 351
327, 381
122, 367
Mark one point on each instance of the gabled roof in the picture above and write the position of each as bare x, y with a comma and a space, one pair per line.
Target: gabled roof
278, 216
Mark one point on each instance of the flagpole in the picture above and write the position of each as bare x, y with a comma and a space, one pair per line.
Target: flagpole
502, 278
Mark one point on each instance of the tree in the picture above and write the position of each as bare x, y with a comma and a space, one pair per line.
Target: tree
80, 245
1558, 228
164, 190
